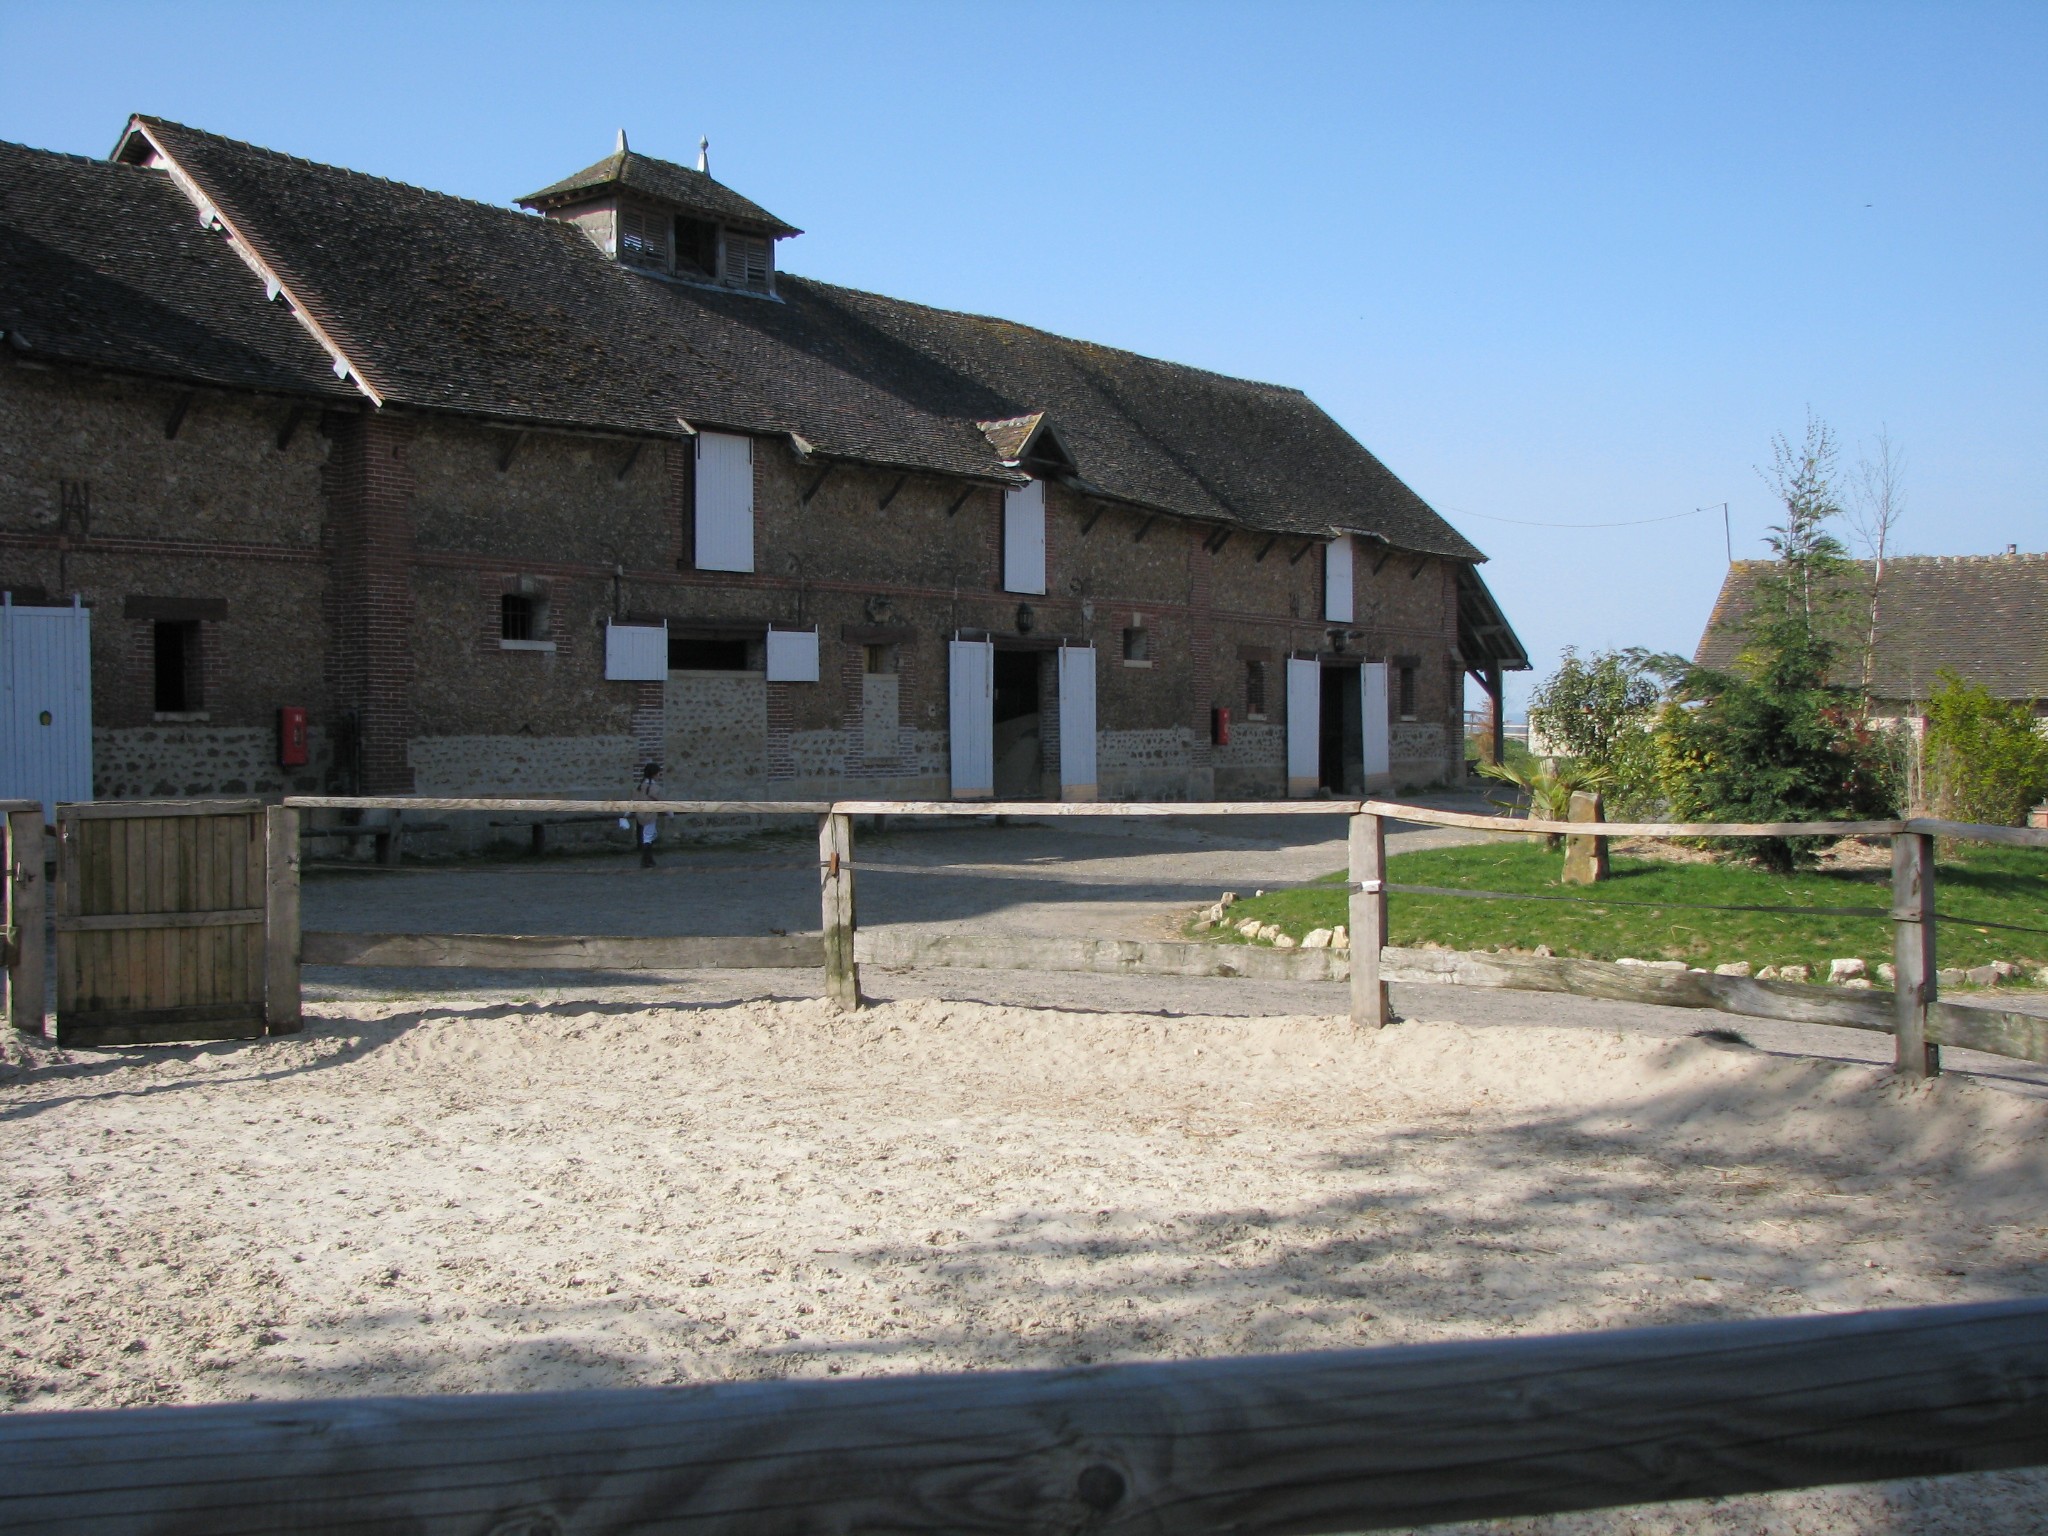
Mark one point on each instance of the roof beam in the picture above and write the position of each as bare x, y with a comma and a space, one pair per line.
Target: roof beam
1381, 563
892, 493
509, 451
626, 464
1295, 558
1216, 540
960, 501
1144, 528
1265, 549
1420, 562
1088, 526
177, 417
290, 428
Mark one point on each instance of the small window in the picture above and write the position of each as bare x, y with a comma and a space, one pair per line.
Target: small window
1255, 690
1406, 685
746, 262
1137, 648
642, 240
177, 688
692, 653
517, 619
696, 247
879, 660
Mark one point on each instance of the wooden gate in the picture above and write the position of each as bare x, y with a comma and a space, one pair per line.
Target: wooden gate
161, 921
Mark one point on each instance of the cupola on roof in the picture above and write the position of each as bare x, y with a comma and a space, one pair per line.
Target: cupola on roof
685, 190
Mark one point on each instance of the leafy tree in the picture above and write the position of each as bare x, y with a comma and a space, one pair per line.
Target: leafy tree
1986, 761
1772, 740
1601, 711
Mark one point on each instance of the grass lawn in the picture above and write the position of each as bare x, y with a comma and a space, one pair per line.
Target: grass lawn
2001, 884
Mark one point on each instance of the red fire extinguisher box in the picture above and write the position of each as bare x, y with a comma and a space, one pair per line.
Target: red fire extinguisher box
1219, 725
292, 749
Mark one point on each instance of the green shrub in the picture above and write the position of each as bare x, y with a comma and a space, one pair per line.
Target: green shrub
1985, 759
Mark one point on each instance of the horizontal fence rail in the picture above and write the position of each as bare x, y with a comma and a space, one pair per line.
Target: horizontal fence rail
1352, 1441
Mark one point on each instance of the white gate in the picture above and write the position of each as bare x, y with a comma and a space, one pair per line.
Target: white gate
971, 720
1373, 720
46, 706
1304, 727
1077, 722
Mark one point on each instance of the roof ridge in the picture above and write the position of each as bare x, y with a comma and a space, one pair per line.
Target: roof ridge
342, 170
1039, 330
63, 154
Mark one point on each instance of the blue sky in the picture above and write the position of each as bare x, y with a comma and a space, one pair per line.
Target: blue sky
1553, 264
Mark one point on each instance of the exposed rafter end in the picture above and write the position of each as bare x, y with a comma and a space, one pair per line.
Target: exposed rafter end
1088, 524
509, 451
960, 501
1213, 544
1144, 528
177, 417
892, 493
1381, 563
1421, 562
817, 483
1295, 558
626, 464
1265, 549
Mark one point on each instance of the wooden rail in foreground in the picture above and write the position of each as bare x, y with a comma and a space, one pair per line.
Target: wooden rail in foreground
1352, 1441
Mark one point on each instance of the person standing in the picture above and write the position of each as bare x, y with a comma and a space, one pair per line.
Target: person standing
649, 822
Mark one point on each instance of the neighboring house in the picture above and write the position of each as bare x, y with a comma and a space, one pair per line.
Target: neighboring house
513, 502
1984, 617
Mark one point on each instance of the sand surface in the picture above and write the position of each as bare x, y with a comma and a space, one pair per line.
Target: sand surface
460, 1197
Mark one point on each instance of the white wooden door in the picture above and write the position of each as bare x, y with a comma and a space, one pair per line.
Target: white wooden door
1373, 722
1077, 722
1339, 605
725, 502
971, 722
46, 712
1304, 727
1024, 538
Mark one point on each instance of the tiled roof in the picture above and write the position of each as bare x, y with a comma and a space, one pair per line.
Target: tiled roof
107, 265
440, 303
694, 191
1984, 616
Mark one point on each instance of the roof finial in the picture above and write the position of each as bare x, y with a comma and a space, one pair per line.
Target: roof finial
622, 142
704, 156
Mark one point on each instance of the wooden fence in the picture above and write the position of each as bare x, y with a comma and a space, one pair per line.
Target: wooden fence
1919, 1020
1351, 1441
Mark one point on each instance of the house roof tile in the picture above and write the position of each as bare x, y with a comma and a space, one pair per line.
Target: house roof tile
1982, 616
694, 191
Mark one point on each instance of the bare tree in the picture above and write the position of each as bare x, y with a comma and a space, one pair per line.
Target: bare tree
1877, 500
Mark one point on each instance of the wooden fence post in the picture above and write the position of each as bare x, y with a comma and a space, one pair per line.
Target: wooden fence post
1913, 984
1369, 1006
281, 1012
1585, 858
26, 962
835, 884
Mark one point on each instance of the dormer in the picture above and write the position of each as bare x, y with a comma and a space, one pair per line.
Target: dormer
668, 220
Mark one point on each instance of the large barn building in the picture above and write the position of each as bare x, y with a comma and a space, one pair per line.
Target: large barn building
311, 480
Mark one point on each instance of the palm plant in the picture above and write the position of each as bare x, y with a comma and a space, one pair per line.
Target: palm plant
1548, 786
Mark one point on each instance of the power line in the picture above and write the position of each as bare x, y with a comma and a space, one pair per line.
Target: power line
1637, 522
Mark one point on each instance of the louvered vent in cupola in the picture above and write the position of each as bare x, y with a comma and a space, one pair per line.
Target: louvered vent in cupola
643, 238
746, 262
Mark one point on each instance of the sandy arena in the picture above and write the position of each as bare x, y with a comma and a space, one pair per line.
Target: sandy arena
470, 1196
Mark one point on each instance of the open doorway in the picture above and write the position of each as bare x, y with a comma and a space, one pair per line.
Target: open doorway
1342, 738
1019, 714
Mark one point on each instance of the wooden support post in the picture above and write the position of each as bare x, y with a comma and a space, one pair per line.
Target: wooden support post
835, 884
26, 965
1913, 953
1496, 695
281, 920
1369, 1005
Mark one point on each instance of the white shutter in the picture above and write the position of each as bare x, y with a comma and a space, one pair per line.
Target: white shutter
1077, 722
1337, 603
1304, 727
792, 655
1372, 682
636, 653
46, 668
725, 502
972, 718
1024, 538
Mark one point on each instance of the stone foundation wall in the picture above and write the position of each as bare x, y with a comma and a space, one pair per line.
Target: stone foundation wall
186, 761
